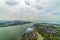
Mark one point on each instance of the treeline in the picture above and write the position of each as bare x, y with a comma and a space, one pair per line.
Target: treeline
12, 23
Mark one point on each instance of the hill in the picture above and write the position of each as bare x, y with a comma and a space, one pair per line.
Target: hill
13, 23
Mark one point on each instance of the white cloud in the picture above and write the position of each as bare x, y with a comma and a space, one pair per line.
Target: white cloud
33, 10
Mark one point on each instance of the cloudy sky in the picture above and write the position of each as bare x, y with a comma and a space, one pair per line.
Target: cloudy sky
46, 10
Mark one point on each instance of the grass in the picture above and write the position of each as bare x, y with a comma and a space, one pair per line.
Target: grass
40, 37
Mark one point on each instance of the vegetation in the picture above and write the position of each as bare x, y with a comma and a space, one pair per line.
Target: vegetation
48, 31
13, 23
33, 35
40, 37
13, 30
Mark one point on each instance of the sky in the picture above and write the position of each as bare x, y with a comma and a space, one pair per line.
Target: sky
32, 10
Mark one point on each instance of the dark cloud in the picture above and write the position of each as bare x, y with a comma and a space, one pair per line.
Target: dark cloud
11, 3
27, 3
56, 13
38, 7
